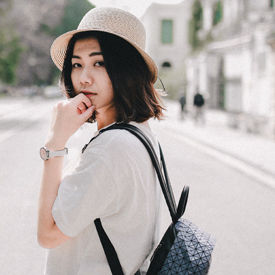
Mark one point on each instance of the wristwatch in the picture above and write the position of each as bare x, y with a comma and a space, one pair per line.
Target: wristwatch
46, 154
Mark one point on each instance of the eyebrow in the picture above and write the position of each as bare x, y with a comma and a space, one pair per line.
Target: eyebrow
91, 54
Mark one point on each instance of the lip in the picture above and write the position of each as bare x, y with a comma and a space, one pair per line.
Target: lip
88, 93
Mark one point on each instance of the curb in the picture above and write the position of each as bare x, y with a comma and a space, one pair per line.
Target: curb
261, 175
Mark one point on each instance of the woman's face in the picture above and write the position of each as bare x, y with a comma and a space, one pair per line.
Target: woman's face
89, 75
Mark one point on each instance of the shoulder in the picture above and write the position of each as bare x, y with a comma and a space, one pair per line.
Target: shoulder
121, 142
118, 140
115, 141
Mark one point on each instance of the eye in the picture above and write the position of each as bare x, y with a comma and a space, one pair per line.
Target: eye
76, 65
99, 64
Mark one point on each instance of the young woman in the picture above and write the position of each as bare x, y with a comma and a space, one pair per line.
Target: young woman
108, 78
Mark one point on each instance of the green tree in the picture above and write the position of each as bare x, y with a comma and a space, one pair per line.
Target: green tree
73, 12
195, 24
10, 47
10, 50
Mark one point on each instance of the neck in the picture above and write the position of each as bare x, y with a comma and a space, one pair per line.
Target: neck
105, 116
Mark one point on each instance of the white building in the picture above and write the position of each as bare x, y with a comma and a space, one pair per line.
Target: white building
245, 64
236, 67
166, 28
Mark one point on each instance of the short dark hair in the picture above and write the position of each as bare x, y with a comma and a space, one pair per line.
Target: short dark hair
135, 98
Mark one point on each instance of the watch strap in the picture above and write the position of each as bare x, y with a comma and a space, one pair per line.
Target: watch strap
58, 153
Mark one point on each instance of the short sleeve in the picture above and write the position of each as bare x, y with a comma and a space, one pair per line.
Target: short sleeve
86, 194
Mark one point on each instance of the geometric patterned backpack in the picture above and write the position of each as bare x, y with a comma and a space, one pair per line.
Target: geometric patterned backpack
199, 246
190, 252
184, 248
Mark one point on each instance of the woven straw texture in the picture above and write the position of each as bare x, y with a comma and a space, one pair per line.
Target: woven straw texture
111, 20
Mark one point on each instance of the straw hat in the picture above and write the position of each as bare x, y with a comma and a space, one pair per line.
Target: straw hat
110, 20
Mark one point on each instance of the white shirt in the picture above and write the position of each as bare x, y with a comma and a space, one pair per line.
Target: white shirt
116, 182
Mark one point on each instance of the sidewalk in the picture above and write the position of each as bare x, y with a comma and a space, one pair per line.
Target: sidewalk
252, 154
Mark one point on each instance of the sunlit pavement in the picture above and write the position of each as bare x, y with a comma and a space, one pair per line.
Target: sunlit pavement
250, 153
232, 204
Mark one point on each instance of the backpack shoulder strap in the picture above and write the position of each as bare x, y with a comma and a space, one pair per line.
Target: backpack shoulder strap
166, 188
109, 249
163, 180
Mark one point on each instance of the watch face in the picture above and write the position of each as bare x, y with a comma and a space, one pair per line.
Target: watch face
43, 153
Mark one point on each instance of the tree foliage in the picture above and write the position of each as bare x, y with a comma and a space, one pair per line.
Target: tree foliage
10, 47
195, 24
74, 10
24, 44
10, 50
73, 13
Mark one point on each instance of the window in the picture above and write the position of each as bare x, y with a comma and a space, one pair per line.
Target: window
166, 64
217, 13
195, 24
167, 31
271, 4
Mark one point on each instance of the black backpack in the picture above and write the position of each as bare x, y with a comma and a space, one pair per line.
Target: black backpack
184, 248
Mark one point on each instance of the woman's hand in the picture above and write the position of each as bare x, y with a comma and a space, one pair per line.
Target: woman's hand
67, 117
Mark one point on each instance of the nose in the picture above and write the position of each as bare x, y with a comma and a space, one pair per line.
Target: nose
86, 77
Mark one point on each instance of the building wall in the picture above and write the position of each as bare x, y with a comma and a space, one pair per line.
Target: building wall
236, 70
173, 53
248, 63
231, 11
262, 5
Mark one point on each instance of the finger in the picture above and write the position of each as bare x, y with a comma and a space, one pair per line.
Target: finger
82, 106
88, 113
82, 98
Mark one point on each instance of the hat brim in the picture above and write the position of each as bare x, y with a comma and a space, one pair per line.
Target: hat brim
60, 44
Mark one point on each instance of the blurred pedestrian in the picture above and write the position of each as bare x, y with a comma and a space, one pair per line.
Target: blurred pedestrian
108, 78
199, 103
182, 102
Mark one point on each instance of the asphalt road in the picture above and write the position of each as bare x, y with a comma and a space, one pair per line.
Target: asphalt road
235, 209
